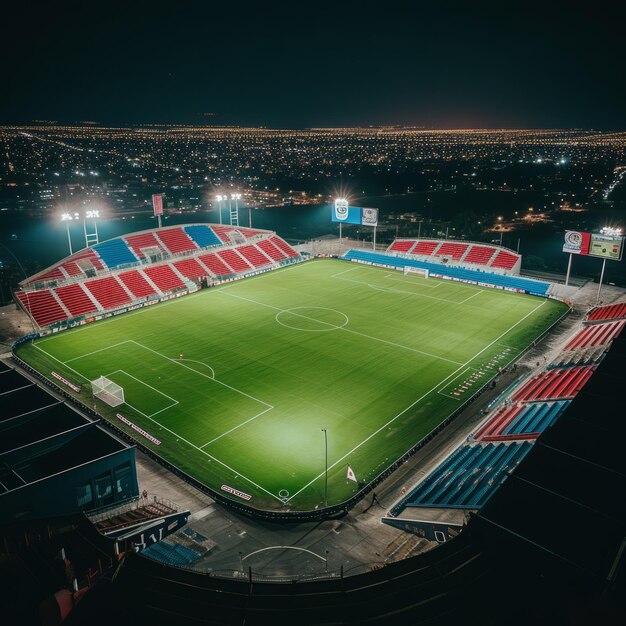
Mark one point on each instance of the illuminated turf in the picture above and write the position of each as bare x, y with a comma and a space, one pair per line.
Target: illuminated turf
377, 358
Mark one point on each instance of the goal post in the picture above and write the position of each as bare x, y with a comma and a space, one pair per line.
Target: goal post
415, 270
106, 390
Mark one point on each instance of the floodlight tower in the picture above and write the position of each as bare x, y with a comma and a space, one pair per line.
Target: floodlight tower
219, 204
92, 237
341, 209
67, 218
234, 213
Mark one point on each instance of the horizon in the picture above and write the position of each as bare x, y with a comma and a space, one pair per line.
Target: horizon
316, 65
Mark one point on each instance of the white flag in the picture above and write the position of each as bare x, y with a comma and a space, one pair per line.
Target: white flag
351, 475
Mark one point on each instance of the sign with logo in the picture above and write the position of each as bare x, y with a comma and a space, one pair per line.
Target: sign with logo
157, 204
369, 217
344, 214
341, 210
576, 242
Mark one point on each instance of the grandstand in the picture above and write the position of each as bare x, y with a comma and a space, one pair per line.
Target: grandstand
459, 253
527, 536
494, 279
541, 459
145, 267
467, 478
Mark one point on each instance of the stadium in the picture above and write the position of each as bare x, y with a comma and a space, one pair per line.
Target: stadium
294, 385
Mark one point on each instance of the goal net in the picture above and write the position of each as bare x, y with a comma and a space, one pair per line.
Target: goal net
416, 270
107, 391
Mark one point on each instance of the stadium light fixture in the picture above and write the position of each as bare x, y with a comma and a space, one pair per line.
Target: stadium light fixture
219, 199
92, 237
609, 231
67, 218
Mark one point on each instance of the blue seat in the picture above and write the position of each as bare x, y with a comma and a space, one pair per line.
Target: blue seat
467, 478
115, 252
202, 235
512, 282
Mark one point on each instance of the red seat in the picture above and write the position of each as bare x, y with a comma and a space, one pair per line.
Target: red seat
222, 231
190, 268
75, 299
254, 256
402, 245
284, 246
452, 250
608, 312
137, 284
215, 265
42, 306
143, 241
108, 292
176, 240
554, 384
164, 277
234, 260
271, 250
479, 255
425, 248
505, 260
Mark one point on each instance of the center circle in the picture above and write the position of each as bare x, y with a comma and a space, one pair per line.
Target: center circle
312, 319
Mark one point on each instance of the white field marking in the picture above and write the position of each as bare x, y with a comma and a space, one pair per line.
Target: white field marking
441, 281
82, 356
478, 292
431, 283
199, 363
177, 435
392, 290
236, 427
160, 305
503, 345
61, 362
347, 330
219, 382
175, 402
345, 272
207, 454
312, 330
450, 382
393, 419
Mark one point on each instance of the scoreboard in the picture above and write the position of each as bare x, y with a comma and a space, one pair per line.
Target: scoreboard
606, 247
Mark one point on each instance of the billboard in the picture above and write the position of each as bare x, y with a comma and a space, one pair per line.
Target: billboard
344, 214
593, 244
369, 217
157, 204
606, 247
576, 242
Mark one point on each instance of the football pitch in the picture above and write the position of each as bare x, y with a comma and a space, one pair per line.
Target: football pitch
237, 382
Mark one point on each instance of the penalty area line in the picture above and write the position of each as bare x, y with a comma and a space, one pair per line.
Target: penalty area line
236, 427
437, 386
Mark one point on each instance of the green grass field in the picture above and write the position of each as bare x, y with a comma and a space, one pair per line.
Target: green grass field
377, 358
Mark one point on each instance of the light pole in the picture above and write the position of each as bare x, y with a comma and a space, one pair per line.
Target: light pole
219, 205
67, 218
601, 279
326, 467
234, 215
91, 238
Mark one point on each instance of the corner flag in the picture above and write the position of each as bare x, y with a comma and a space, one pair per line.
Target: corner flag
351, 475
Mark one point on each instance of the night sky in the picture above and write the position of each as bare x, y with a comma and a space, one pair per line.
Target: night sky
302, 64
